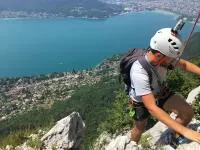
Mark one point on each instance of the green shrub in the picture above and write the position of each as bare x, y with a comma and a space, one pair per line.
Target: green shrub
183, 82
118, 118
15, 138
34, 143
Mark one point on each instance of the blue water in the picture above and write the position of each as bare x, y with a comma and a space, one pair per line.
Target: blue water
41, 46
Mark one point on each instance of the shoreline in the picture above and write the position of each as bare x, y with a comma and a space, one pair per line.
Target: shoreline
159, 11
52, 18
176, 15
165, 12
173, 14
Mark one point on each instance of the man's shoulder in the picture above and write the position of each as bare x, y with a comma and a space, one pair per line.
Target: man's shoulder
137, 68
137, 64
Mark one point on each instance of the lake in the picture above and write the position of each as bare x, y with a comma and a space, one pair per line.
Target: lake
41, 46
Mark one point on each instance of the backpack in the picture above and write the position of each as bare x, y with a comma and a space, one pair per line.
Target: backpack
127, 61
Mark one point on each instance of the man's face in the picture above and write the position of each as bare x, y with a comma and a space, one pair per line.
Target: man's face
163, 60
166, 61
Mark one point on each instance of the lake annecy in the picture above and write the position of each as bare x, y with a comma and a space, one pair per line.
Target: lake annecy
41, 46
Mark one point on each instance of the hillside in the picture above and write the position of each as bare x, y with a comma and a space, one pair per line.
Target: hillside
56, 8
22, 94
193, 48
102, 106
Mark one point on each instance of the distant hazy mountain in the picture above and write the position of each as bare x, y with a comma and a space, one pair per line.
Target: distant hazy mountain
90, 8
193, 48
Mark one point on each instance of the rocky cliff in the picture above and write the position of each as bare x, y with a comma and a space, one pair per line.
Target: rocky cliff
154, 137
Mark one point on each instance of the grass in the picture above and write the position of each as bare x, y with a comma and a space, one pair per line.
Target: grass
35, 143
144, 141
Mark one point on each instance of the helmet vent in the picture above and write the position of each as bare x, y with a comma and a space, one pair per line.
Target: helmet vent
175, 47
169, 40
174, 43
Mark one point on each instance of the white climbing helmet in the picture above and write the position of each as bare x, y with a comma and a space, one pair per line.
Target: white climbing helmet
166, 42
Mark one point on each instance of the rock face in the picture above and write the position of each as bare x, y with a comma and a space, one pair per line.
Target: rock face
160, 131
24, 147
157, 135
104, 139
122, 142
193, 94
67, 134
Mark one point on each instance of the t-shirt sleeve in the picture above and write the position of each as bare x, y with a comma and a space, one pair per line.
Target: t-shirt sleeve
140, 82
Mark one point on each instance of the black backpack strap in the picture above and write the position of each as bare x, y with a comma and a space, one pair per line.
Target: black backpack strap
142, 60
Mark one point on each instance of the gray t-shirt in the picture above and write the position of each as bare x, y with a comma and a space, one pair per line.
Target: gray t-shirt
140, 80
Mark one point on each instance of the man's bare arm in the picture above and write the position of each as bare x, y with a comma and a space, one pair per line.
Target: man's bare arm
149, 102
188, 66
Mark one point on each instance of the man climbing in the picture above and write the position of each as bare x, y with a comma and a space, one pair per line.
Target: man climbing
149, 95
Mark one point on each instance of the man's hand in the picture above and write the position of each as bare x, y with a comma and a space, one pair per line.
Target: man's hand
192, 135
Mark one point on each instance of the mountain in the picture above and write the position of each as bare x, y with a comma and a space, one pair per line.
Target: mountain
60, 8
193, 48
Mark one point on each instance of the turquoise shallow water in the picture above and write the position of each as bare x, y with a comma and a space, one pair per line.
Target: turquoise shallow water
40, 46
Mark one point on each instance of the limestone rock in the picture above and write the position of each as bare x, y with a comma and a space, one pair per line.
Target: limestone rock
103, 140
67, 134
9, 147
122, 142
24, 147
193, 94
